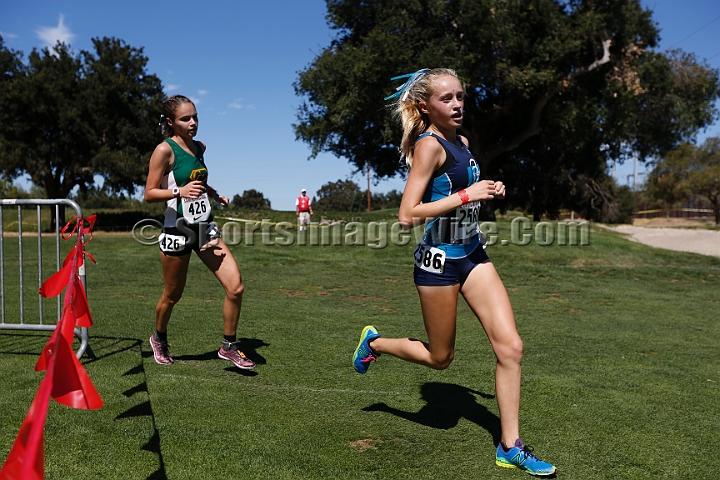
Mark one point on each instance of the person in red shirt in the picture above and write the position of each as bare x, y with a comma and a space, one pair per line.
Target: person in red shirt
303, 210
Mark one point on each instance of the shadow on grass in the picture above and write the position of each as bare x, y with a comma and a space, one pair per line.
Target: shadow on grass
13, 342
446, 404
249, 346
104, 347
144, 409
32, 343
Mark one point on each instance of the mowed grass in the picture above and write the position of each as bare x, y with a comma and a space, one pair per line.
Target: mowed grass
621, 372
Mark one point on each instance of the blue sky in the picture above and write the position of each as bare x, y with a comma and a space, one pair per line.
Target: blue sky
238, 59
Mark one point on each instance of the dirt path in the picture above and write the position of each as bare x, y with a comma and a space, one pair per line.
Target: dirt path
695, 240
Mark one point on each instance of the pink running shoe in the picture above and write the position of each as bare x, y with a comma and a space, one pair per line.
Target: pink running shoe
230, 351
161, 351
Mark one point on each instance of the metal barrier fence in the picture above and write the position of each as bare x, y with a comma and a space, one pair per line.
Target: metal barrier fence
21, 323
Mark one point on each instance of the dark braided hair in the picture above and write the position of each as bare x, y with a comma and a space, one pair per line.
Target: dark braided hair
169, 107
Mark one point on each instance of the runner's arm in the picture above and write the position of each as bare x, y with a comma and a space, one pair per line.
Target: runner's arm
429, 156
223, 200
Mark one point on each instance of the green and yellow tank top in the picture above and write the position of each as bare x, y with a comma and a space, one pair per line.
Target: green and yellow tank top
185, 169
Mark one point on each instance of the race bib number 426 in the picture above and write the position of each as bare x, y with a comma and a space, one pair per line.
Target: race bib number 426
171, 243
196, 209
430, 259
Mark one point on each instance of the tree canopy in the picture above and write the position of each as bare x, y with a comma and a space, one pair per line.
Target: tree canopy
340, 196
250, 199
347, 196
688, 172
68, 117
555, 89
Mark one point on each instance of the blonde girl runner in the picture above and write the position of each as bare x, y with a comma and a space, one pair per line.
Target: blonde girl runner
444, 191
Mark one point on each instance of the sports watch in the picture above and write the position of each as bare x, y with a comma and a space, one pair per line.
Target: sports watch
176, 192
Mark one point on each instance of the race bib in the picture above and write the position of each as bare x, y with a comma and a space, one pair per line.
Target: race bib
171, 243
196, 210
429, 258
466, 222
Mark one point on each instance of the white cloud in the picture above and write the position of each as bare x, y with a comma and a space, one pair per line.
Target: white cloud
203, 92
236, 103
195, 100
250, 107
51, 35
172, 87
8, 35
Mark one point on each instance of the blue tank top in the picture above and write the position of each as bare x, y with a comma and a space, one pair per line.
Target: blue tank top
459, 171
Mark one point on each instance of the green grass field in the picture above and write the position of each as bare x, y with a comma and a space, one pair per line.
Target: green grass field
621, 373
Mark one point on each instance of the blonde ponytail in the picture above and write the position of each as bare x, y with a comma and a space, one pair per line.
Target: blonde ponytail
417, 89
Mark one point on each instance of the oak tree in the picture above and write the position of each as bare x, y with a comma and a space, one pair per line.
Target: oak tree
555, 89
69, 117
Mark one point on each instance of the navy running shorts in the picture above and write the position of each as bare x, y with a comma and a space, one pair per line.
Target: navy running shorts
456, 270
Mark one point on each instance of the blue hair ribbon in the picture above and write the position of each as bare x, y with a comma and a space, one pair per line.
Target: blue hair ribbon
407, 86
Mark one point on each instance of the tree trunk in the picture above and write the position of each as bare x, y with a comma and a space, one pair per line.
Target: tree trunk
53, 191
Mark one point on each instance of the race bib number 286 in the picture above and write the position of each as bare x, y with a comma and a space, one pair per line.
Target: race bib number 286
430, 259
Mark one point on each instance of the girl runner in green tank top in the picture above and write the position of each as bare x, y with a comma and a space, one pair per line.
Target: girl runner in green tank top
178, 176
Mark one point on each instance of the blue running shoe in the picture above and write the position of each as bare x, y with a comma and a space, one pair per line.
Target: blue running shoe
363, 353
521, 456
